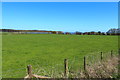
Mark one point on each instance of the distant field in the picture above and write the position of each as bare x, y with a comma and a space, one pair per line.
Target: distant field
47, 51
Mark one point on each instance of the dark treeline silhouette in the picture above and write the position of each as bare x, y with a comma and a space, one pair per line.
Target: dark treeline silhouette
109, 32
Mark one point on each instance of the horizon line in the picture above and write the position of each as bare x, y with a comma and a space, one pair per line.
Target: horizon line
56, 30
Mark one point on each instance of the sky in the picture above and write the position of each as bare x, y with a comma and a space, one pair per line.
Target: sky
60, 16
60, 0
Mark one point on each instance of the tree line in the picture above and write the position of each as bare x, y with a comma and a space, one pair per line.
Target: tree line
109, 32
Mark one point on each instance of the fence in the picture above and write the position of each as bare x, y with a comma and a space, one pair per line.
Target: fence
67, 68
70, 68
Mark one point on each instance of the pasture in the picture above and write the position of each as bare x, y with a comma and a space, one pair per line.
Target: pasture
46, 52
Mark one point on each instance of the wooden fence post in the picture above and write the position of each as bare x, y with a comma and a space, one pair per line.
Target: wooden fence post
111, 53
66, 68
101, 55
84, 63
29, 68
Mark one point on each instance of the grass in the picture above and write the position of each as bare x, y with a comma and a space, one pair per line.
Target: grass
46, 52
101, 69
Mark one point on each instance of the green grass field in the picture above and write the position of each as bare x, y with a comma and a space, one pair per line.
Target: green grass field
48, 51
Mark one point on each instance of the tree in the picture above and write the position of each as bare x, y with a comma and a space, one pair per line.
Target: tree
99, 32
54, 32
78, 33
60, 32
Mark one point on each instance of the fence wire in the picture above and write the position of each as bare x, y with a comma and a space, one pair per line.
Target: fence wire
75, 64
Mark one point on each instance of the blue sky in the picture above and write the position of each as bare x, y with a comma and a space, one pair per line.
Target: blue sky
60, 0
60, 16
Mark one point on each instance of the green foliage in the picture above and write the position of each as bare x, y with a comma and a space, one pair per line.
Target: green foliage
48, 51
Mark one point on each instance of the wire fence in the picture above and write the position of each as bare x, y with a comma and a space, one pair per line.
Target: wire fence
75, 65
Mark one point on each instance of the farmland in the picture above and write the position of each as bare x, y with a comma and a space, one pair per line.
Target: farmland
47, 51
